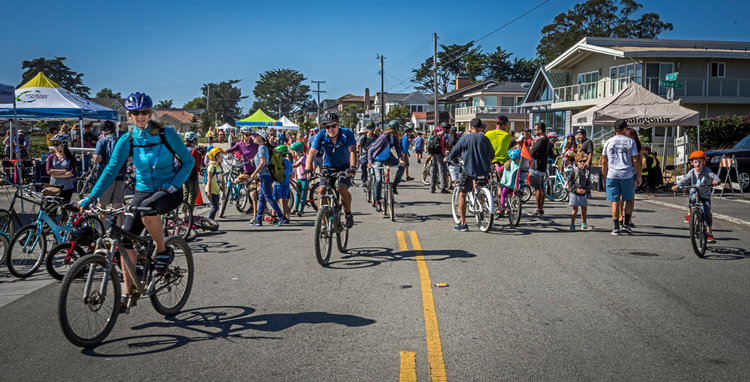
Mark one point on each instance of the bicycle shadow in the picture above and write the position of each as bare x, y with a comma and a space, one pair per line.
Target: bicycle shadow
205, 246
217, 323
358, 258
726, 253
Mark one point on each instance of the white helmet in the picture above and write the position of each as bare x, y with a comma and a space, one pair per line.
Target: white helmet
62, 138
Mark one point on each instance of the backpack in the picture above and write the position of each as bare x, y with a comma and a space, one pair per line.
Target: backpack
433, 147
276, 165
177, 161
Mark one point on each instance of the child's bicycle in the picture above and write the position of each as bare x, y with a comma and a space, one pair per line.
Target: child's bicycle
235, 192
89, 299
698, 231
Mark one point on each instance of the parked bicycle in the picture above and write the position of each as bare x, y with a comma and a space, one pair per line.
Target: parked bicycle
554, 187
89, 300
236, 191
330, 221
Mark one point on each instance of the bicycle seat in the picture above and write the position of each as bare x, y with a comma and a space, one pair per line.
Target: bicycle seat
142, 210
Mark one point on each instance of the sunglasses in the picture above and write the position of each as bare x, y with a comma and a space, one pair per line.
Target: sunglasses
330, 126
582, 161
55, 143
141, 112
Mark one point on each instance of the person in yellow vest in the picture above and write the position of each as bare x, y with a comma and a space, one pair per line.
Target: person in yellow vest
650, 163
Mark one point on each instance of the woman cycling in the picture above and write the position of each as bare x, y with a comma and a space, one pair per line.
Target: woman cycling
61, 166
158, 180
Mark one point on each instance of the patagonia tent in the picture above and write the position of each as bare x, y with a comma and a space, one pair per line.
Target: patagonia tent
287, 124
258, 119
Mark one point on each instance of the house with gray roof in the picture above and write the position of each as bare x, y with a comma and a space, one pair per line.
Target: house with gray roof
489, 101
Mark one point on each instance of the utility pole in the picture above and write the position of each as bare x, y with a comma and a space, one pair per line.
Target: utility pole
382, 94
434, 70
317, 120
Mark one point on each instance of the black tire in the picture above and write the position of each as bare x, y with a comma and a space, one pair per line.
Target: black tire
4, 244
426, 178
313, 191
514, 210
173, 289
7, 225
698, 235
22, 259
208, 224
323, 236
61, 257
385, 200
391, 204
225, 196
342, 236
486, 216
366, 186
525, 192
77, 327
556, 192
242, 199
454, 206
179, 222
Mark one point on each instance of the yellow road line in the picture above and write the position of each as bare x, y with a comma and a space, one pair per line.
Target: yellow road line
408, 367
434, 346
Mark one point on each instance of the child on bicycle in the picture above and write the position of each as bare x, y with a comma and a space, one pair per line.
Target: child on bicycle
578, 185
299, 165
215, 174
703, 177
508, 179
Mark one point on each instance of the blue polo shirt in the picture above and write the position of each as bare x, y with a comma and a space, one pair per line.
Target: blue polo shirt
336, 156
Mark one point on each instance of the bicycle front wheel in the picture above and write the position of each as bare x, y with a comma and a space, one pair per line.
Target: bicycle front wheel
342, 236
698, 236
26, 251
6, 223
485, 215
242, 198
86, 316
454, 206
391, 204
526, 193
225, 197
4, 243
323, 235
173, 289
61, 257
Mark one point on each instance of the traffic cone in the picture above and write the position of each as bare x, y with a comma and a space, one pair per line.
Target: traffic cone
199, 196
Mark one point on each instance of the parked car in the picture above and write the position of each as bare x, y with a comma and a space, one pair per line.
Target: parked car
741, 152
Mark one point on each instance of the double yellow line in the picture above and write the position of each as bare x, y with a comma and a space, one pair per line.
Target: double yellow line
434, 346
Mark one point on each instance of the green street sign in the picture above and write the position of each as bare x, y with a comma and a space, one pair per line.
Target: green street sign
671, 84
671, 76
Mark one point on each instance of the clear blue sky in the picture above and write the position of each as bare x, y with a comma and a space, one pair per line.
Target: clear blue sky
170, 48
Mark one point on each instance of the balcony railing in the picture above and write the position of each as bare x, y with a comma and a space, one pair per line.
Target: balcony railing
692, 87
474, 110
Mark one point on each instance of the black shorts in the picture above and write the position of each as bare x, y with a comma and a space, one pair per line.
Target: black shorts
465, 183
342, 179
536, 181
161, 201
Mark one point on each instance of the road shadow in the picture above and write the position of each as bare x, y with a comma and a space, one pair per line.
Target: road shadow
216, 323
357, 258
726, 253
209, 246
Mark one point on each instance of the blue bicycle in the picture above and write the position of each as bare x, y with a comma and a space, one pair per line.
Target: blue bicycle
554, 187
28, 247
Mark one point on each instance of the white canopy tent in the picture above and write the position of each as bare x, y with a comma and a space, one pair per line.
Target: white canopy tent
8, 100
286, 124
226, 126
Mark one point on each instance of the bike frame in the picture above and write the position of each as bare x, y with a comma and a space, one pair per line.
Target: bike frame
61, 232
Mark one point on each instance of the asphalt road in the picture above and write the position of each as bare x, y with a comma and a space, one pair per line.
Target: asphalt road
533, 303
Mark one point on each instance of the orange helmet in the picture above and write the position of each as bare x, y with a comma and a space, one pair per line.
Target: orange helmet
697, 154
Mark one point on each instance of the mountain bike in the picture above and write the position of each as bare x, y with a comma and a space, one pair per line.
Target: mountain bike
479, 201
89, 299
10, 221
388, 203
235, 192
329, 221
85, 183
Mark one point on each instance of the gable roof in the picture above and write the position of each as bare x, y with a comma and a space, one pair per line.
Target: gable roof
111, 103
505, 87
419, 115
643, 48
177, 114
457, 94
415, 98
540, 77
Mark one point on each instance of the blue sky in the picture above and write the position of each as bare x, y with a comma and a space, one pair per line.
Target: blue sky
170, 48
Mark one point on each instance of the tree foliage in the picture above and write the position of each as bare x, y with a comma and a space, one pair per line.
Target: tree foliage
195, 103
223, 103
597, 18
720, 132
349, 116
399, 113
281, 89
165, 104
305, 122
108, 93
57, 71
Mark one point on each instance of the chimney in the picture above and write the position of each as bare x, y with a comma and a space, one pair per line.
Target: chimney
367, 100
462, 83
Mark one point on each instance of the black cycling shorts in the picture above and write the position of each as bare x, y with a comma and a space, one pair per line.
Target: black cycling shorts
465, 183
161, 201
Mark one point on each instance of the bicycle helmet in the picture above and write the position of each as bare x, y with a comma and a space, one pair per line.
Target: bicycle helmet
552, 135
108, 126
329, 118
137, 101
282, 149
191, 136
697, 154
214, 152
298, 146
371, 125
501, 119
581, 131
64, 139
246, 129
84, 235
570, 135
514, 153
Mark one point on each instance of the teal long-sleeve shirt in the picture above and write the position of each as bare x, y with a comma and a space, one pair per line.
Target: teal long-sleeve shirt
154, 165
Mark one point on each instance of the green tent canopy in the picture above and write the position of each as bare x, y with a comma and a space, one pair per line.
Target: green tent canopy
259, 118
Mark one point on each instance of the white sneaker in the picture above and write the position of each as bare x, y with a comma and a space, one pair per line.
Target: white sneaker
616, 232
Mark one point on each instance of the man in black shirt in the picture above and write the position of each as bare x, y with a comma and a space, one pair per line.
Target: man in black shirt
539, 153
364, 141
585, 145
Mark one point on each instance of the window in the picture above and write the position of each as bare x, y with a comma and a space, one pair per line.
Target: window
507, 101
490, 101
477, 101
588, 85
656, 72
622, 75
718, 69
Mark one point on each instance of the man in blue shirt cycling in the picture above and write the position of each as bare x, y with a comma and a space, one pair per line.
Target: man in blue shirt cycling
339, 147
158, 181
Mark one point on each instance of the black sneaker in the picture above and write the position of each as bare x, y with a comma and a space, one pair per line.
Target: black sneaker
408, 178
162, 261
626, 229
395, 189
349, 221
445, 192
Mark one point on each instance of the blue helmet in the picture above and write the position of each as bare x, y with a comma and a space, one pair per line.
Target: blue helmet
514, 153
137, 101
